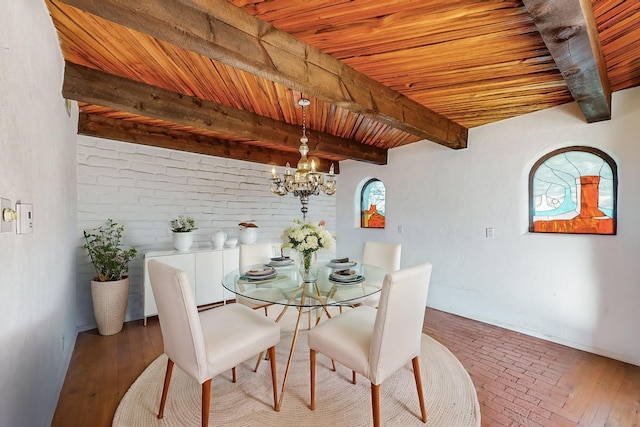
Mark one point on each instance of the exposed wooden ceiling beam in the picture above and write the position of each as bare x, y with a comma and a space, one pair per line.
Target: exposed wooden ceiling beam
155, 136
221, 31
96, 87
569, 30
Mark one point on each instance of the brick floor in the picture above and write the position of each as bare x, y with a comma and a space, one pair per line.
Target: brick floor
526, 381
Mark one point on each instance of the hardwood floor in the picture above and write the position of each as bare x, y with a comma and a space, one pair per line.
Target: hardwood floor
102, 369
521, 381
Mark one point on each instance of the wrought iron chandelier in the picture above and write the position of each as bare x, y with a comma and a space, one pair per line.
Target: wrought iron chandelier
305, 181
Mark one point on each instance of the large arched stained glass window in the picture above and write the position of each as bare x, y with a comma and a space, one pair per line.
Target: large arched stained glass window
372, 204
573, 190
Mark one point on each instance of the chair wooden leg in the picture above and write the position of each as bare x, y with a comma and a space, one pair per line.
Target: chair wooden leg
233, 374
258, 362
274, 377
353, 377
418, 377
375, 404
266, 313
206, 401
165, 389
312, 365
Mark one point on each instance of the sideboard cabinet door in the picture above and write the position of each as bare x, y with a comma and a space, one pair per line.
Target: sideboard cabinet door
205, 269
209, 273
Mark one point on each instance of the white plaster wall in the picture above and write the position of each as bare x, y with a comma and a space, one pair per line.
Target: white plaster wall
143, 188
37, 166
579, 290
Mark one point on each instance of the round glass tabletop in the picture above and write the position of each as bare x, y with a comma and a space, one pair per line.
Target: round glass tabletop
283, 284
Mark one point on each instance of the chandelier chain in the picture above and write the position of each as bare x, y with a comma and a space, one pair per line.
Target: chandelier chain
306, 180
304, 120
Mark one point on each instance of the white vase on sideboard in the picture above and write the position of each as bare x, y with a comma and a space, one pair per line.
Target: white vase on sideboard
248, 235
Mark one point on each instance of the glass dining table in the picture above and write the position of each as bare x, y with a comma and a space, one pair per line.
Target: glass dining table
283, 286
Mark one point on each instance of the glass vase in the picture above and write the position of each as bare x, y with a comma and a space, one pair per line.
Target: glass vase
308, 266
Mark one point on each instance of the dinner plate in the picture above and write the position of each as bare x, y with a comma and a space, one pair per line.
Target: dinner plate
258, 280
357, 279
341, 265
344, 274
269, 271
249, 279
279, 262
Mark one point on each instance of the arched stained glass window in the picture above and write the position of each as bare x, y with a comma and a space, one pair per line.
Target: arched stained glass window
573, 190
372, 204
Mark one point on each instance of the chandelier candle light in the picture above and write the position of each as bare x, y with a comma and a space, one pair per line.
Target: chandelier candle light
305, 181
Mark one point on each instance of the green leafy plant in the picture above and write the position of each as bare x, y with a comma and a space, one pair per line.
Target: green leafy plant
110, 261
183, 224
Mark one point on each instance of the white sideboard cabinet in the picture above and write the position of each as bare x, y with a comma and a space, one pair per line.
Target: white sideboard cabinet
205, 268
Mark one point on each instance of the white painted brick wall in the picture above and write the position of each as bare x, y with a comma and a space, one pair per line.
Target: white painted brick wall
144, 187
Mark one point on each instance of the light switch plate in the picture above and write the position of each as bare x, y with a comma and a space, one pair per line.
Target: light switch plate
25, 218
5, 226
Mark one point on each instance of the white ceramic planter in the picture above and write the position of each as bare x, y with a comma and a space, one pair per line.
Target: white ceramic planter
182, 241
248, 235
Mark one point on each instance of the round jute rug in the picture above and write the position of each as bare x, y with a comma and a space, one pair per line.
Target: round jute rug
450, 396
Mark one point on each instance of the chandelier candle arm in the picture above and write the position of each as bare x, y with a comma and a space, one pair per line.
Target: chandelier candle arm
305, 181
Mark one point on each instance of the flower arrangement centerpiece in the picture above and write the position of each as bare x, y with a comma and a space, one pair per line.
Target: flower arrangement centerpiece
183, 224
307, 239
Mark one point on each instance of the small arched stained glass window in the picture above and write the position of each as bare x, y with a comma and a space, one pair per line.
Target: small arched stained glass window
372, 204
573, 190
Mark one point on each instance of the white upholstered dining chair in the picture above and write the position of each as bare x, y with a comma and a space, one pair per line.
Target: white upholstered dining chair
383, 255
377, 343
252, 254
205, 344
255, 253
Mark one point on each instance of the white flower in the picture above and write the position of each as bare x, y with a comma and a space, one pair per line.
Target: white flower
306, 237
183, 224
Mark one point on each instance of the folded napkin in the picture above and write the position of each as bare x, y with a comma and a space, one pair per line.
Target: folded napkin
340, 260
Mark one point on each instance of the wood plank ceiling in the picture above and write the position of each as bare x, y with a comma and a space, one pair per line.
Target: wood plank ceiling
223, 77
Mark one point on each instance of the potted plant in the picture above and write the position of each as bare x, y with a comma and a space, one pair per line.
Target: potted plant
182, 228
110, 286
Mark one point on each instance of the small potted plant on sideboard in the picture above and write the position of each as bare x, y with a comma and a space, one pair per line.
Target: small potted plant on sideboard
182, 228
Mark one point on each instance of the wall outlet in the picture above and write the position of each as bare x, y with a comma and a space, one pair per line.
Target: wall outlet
489, 232
25, 218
